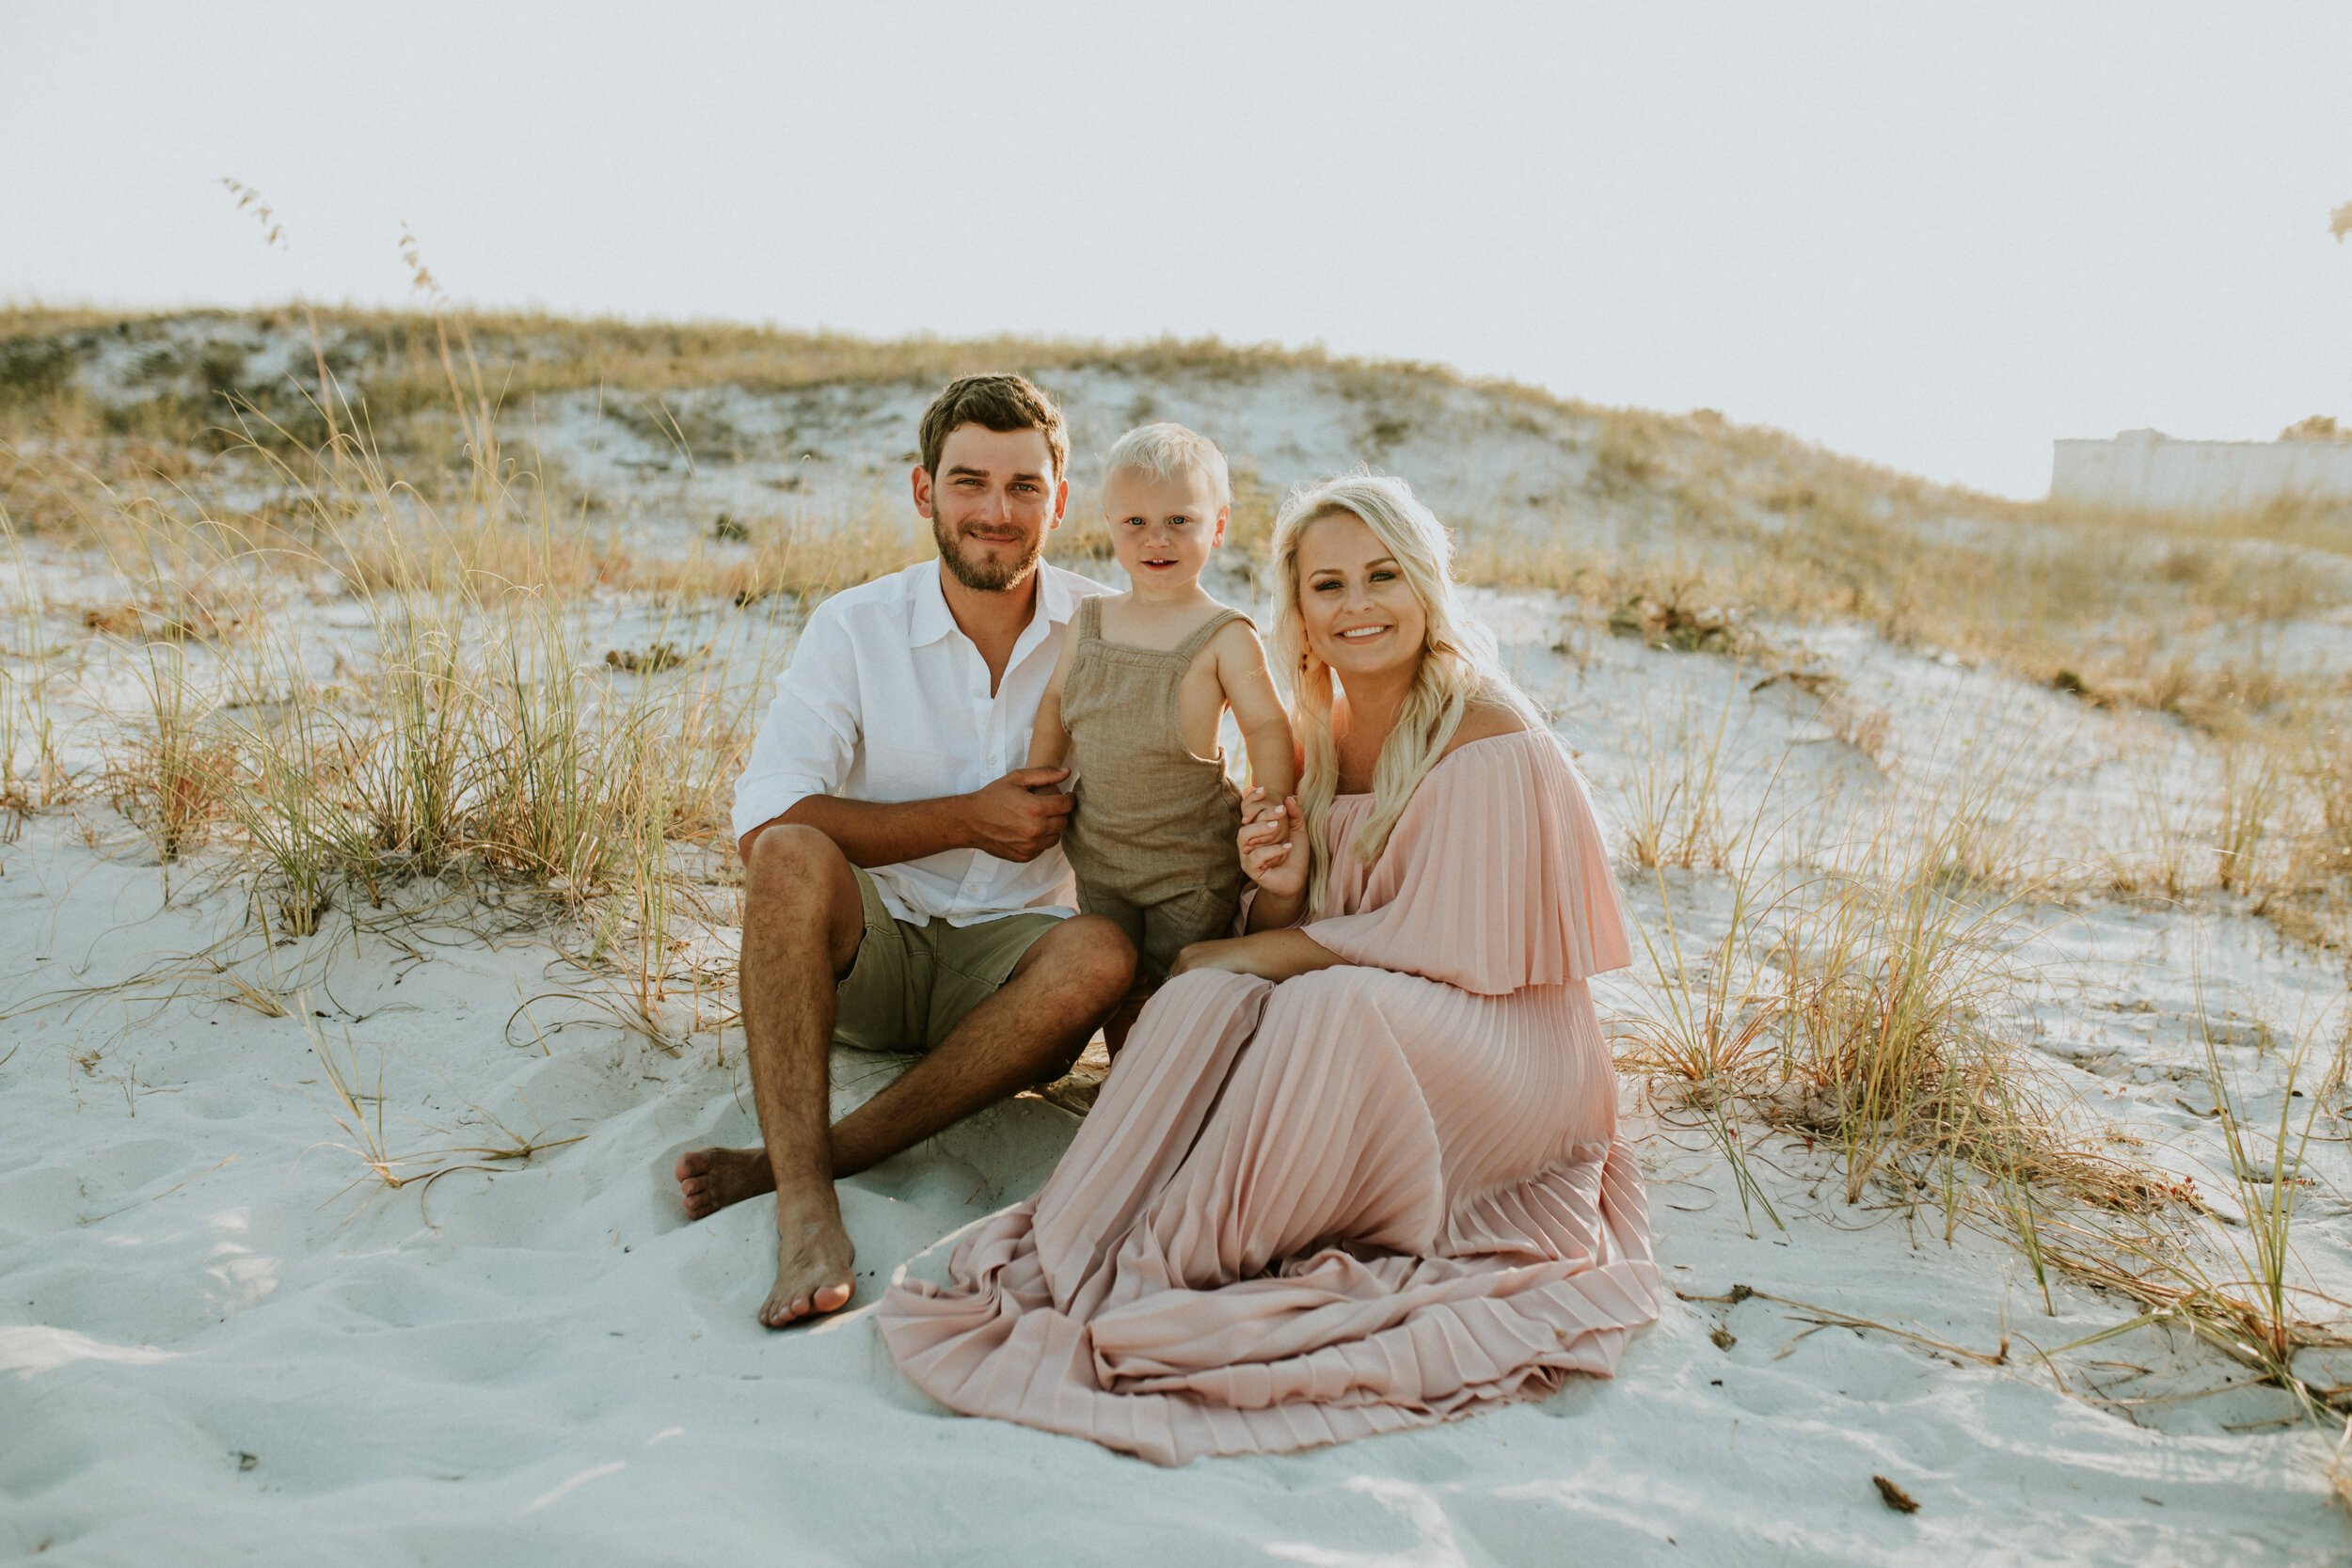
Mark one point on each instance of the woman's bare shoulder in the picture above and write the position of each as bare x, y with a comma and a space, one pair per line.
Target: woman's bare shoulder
1483, 719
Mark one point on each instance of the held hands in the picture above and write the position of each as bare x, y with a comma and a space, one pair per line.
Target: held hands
1273, 844
1021, 815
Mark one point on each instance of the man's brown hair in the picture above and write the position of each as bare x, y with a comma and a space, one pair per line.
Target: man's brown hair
999, 402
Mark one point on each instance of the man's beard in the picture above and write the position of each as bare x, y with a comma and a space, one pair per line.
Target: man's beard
982, 576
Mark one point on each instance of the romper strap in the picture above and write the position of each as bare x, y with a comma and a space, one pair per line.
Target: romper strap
1089, 618
1190, 647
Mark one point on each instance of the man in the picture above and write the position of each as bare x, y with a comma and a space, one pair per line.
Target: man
904, 889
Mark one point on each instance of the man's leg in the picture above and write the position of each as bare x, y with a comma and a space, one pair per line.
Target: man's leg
1029, 1032
803, 921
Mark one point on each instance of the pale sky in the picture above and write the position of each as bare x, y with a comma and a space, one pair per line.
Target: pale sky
1934, 236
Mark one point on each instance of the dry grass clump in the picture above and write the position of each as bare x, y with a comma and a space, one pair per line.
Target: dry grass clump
174, 780
484, 740
2304, 885
31, 772
2172, 853
1689, 601
2250, 788
1899, 971
1870, 1003
1677, 618
1714, 1042
2221, 1267
1673, 793
2324, 761
2264, 817
2303, 522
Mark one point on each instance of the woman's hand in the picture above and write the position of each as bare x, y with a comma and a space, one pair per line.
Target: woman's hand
1273, 844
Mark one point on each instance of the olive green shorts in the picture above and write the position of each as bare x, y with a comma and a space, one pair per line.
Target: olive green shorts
912, 984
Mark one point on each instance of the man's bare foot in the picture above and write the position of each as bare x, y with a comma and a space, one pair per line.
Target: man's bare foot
812, 1257
710, 1179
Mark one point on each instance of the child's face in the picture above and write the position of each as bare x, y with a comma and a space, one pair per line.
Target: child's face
1162, 529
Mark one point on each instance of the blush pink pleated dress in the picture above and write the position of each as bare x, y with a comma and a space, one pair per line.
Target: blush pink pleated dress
1379, 1196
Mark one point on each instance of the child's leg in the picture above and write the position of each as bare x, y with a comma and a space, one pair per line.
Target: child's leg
1127, 916
1123, 1019
1175, 924
1130, 919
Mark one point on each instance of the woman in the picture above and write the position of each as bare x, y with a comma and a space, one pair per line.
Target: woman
1358, 1173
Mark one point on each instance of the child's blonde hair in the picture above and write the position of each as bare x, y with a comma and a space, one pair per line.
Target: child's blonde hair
1165, 450
1460, 662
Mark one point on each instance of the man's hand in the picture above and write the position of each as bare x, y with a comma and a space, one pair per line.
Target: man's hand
1018, 817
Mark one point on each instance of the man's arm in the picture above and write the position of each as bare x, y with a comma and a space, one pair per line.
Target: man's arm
804, 751
870, 833
1017, 817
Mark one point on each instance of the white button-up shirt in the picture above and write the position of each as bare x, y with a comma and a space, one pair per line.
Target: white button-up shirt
886, 700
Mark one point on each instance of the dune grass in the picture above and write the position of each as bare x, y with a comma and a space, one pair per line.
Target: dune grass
467, 729
2160, 611
1870, 997
1866, 996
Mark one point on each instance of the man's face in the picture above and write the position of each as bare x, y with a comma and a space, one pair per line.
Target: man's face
992, 503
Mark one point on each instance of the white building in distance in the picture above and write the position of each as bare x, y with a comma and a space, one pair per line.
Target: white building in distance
2312, 461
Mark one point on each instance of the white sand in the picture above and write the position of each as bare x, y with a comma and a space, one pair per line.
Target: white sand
503, 1368
220, 1341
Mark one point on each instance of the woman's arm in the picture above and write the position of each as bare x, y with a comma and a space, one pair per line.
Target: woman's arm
1266, 729
1268, 955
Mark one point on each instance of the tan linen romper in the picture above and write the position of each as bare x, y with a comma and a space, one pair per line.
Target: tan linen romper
1151, 834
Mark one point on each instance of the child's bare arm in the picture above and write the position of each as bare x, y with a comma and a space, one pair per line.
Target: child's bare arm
1266, 729
1049, 742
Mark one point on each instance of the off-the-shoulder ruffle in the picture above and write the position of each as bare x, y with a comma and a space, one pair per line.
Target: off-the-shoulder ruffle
1495, 877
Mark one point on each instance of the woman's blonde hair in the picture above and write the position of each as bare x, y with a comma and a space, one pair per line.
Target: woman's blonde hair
1458, 664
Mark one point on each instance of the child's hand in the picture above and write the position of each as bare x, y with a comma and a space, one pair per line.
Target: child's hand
1273, 844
